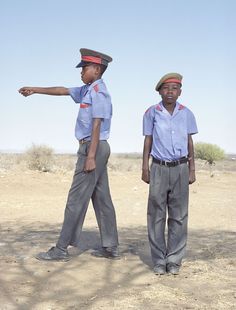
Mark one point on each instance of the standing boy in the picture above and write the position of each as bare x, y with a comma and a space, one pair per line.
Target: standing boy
168, 128
90, 178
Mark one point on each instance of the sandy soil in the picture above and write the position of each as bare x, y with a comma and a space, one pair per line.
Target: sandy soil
32, 206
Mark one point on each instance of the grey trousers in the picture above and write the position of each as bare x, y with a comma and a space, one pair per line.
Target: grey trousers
168, 191
84, 187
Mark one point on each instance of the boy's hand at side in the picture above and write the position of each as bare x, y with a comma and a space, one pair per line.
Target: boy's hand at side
146, 153
192, 177
146, 175
191, 162
90, 164
26, 91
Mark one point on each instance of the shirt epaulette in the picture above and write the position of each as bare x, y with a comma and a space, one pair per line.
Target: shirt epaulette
181, 107
96, 88
158, 107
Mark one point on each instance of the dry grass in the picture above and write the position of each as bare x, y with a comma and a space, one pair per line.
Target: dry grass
117, 162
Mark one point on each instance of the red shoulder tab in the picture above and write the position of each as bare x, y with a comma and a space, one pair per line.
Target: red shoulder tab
158, 107
84, 105
96, 88
181, 107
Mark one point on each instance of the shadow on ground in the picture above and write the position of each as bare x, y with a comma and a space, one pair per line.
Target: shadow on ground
26, 282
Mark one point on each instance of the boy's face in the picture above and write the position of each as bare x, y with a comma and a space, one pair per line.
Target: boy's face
90, 73
170, 92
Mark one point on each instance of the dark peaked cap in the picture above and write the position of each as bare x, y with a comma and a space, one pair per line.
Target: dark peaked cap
90, 56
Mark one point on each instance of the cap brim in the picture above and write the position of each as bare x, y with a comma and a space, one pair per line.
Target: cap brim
82, 64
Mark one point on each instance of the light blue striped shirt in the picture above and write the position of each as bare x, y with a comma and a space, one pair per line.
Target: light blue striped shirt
95, 102
169, 132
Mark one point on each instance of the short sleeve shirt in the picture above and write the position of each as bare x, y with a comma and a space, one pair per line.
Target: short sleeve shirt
169, 132
95, 102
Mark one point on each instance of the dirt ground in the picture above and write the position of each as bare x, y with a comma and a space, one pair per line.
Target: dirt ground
32, 207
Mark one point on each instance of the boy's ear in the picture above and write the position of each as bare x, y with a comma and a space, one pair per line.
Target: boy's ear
98, 69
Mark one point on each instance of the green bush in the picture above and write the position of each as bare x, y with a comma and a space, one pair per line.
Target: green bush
208, 152
40, 157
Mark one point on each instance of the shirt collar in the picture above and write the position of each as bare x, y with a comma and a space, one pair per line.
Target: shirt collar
160, 107
99, 81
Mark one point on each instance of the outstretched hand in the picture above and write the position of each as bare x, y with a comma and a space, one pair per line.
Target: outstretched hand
26, 91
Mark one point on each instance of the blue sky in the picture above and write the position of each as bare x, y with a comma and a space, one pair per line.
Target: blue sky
40, 42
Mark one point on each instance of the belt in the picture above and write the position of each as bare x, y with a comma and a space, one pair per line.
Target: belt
83, 141
174, 163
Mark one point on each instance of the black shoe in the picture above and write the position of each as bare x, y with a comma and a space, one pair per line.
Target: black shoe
159, 269
54, 254
173, 269
108, 252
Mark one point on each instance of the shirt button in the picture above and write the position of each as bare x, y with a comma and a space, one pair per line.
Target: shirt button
172, 131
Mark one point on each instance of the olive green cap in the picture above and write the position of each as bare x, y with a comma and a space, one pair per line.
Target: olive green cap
168, 78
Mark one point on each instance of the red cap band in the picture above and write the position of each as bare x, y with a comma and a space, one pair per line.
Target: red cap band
172, 81
93, 59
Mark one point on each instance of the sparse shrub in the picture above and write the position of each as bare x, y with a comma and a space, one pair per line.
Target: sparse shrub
208, 152
40, 157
